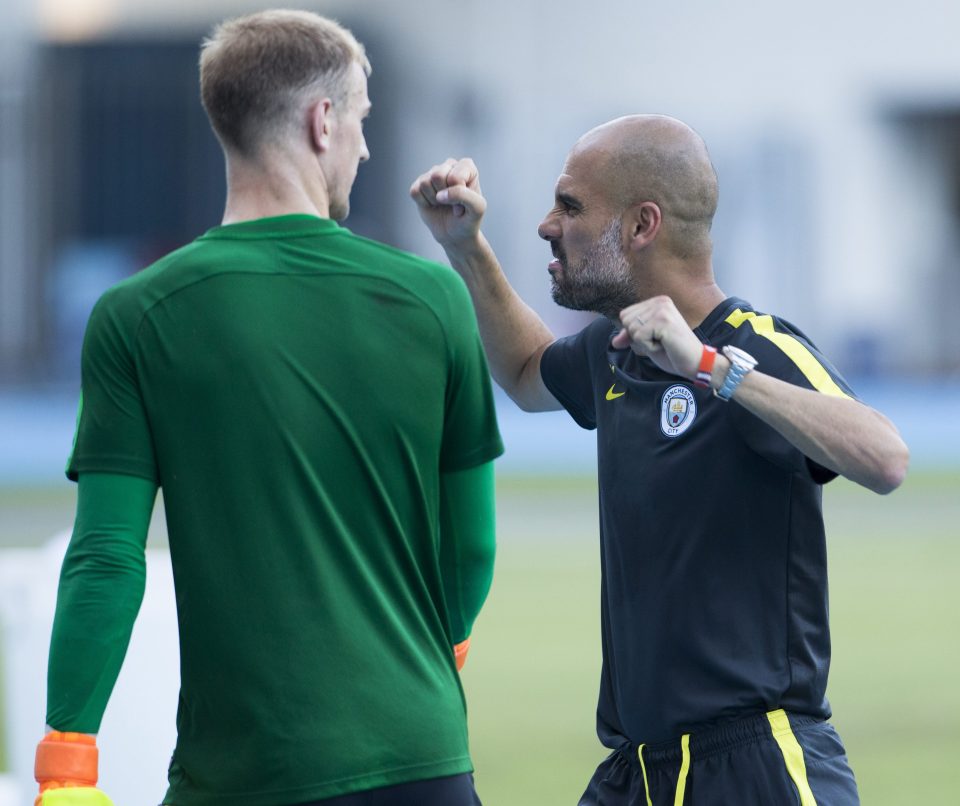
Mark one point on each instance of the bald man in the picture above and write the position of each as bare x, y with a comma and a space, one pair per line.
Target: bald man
716, 426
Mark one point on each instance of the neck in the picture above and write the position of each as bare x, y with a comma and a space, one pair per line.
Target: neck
270, 186
692, 287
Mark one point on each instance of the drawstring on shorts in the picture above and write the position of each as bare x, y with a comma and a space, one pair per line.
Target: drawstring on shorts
681, 780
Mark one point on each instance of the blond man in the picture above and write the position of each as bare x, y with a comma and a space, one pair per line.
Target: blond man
327, 481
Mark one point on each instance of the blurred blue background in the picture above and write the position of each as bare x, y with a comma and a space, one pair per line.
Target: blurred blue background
835, 129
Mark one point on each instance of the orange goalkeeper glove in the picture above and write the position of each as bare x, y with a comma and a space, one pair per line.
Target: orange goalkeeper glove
460, 652
66, 769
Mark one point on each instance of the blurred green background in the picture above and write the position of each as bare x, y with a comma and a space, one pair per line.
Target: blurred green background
533, 672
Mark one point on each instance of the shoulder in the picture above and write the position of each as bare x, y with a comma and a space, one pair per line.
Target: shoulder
586, 347
133, 296
593, 337
781, 348
741, 325
437, 286
411, 267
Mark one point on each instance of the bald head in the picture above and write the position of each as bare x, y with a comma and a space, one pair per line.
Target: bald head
656, 158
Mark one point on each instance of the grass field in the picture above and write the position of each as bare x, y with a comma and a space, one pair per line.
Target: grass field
533, 672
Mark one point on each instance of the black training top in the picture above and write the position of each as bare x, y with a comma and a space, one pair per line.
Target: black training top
713, 557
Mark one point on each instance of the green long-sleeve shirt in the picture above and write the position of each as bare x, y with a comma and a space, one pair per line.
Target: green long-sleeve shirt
303, 397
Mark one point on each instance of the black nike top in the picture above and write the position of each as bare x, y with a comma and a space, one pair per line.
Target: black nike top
713, 556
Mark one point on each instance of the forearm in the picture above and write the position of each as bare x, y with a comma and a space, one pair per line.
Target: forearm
514, 336
101, 588
838, 433
467, 544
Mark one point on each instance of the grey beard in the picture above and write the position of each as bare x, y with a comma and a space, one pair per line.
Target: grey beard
600, 282
607, 301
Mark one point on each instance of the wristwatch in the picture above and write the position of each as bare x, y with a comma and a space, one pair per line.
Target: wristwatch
740, 364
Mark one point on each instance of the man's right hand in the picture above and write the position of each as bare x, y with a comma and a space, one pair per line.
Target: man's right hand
450, 202
451, 205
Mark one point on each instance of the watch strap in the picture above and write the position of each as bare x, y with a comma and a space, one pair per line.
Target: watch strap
740, 364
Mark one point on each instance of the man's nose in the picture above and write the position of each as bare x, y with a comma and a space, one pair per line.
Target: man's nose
548, 229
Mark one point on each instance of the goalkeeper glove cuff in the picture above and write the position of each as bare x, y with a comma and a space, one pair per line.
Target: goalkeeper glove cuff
460, 652
66, 769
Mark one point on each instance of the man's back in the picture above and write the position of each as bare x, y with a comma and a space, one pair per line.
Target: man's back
317, 410
302, 390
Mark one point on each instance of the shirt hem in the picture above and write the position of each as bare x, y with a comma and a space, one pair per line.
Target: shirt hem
343, 786
111, 465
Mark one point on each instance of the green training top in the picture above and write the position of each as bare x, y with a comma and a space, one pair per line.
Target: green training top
297, 391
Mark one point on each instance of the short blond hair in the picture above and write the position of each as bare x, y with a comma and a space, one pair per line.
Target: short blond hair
256, 70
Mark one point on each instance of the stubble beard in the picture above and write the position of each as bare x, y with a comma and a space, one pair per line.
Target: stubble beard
339, 208
338, 199
600, 282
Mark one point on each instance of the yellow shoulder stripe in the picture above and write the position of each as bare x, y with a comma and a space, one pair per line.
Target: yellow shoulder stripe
811, 368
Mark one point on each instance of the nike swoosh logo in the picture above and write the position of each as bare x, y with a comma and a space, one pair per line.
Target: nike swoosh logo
611, 395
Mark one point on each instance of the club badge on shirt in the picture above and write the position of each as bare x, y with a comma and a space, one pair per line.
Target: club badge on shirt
678, 410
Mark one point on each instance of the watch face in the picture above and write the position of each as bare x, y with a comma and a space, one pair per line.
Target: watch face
739, 357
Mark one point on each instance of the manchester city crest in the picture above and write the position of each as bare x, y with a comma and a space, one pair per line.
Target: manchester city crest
678, 410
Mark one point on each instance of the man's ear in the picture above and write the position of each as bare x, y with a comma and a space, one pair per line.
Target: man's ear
644, 220
320, 125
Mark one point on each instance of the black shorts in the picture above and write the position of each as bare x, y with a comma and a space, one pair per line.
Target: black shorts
453, 790
767, 760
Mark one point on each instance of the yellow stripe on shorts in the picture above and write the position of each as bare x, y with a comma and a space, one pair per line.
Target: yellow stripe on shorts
684, 769
792, 755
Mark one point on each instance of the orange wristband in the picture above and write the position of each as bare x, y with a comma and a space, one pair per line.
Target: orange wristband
460, 653
707, 358
66, 759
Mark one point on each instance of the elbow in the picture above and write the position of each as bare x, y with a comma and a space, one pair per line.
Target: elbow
524, 404
520, 395
893, 469
891, 457
514, 390
483, 557
526, 387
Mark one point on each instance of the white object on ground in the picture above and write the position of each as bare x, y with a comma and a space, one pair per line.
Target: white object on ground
139, 728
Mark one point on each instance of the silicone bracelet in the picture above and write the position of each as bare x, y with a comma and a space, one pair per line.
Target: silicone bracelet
707, 358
